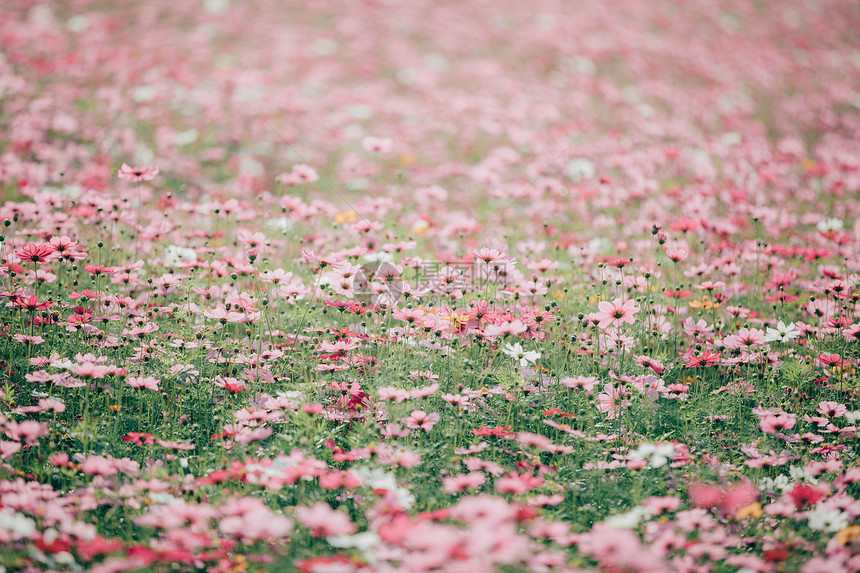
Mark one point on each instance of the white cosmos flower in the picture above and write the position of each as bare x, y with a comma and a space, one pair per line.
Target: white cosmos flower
852, 416
781, 333
823, 518
17, 525
833, 224
657, 454
629, 519
364, 542
516, 352
176, 254
377, 478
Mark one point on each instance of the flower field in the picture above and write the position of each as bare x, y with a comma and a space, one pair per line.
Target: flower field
430, 286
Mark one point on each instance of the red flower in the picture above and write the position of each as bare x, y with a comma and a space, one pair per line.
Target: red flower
804, 496
314, 563
35, 253
555, 410
56, 546
497, 431
677, 293
87, 549
234, 388
830, 359
706, 358
32, 303
776, 555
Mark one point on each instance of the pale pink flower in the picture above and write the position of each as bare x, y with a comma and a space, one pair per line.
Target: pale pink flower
28, 431
770, 423
421, 420
616, 313
137, 174
324, 521
587, 383
832, 409
458, 483
148, 382
609, 402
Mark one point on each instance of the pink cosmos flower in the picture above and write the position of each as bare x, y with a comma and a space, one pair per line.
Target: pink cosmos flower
91, 370
745, 338
587, 383
616, 313
652, 363
9, 449
728, 499
677, 254
247, 435
300, 173
698, 328
609, 402
771, 423
51, 404
705, 359
137, 174
458, 483
323, 521
143, 382
832, 409
249, 520
98, 465
421, 420
67, 249
377, 144
28, 431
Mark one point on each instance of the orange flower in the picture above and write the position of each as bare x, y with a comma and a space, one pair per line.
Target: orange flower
346, 217
847, 534
752, 510
705, 303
